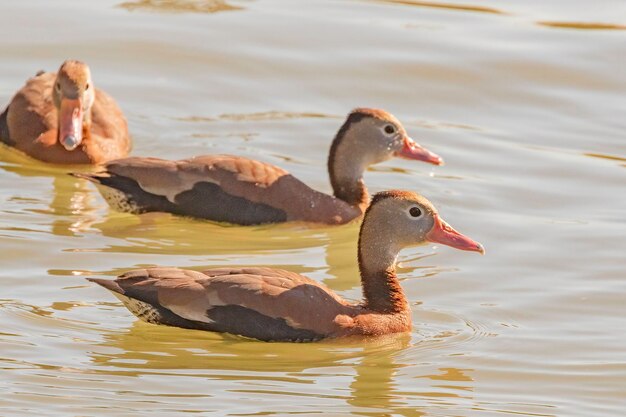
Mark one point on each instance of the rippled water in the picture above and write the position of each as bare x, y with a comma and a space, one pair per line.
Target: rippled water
525, 101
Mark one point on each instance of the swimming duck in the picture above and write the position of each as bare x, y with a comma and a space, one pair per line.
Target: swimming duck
238, 190
63, 118
278, 305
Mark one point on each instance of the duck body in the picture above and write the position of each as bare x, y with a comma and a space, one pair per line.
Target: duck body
243, 191
260, 303
220, 188
277, 305
35, 117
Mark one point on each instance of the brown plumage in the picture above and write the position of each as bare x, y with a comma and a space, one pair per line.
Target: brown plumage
62, 118
238, 190
277, 305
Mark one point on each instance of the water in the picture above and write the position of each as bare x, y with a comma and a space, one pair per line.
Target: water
524, 100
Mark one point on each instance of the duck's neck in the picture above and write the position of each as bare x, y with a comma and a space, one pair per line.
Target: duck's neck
346, 167
377, 264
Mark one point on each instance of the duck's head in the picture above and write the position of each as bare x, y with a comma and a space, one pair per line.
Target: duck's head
374, 135
400, 219
73, 94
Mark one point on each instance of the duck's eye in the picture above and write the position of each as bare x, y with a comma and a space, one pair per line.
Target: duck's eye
58, 86
390, 129
415, 212
87, 87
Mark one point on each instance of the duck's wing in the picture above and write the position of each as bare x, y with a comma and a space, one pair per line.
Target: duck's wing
262, 303
4, 128
30, 115
221, 188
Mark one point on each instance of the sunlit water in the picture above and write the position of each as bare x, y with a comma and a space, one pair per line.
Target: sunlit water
524, 100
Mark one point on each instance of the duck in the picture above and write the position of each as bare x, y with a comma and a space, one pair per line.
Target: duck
62, 118
237, 190
278, 305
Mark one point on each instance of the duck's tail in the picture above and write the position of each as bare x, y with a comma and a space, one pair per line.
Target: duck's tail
96, 178
145, 311
109, 284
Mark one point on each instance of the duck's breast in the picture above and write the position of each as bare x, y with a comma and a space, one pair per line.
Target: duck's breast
109, 137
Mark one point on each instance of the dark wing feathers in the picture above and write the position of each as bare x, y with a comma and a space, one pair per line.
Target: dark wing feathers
243, 301
220, 188
4, 128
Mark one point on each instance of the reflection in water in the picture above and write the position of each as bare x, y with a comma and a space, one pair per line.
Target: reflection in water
180, 6
72, 203
163, 233
341, 257
583, 25
605, 156
14, 161
147, 349
260, 116
254, 366
150, 347
374, 387
451, 6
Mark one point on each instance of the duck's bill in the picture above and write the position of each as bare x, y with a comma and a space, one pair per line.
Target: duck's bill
443, 233
70, 123
412, 150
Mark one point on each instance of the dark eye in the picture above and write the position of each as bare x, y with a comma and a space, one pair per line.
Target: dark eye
415, 212
87, 86
58, 86
390, 129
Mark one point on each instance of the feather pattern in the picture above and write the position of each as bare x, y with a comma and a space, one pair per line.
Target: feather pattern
221, 188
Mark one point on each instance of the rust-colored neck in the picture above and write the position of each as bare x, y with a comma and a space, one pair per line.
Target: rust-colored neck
352, 191
382, 292
377, 264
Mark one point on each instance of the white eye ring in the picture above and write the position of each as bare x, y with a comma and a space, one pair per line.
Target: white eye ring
415, 212
389, 130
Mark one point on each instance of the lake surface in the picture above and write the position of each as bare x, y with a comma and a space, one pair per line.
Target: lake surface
524, 100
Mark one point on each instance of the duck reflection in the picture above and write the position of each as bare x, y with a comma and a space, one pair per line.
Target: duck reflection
376, 388
71, 203
180, 6
146, 346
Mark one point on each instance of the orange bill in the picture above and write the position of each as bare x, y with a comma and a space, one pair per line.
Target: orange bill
412, 150
443, 233
70, 123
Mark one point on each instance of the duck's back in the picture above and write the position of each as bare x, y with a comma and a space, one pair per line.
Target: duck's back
263, 303
221, 188
30, 113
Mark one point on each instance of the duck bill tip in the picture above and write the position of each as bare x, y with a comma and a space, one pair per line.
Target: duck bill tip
412, 150
70, 123
444, 234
